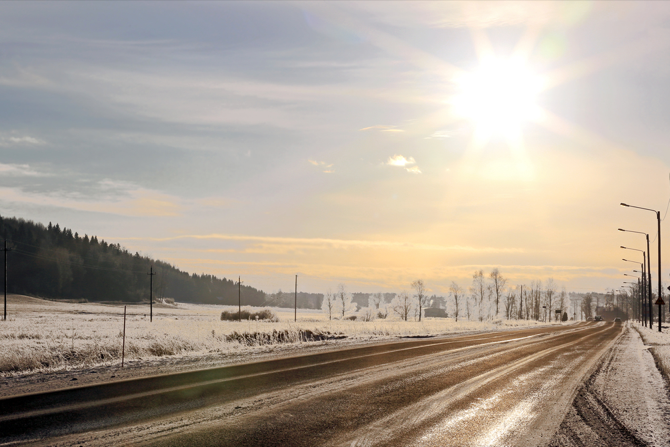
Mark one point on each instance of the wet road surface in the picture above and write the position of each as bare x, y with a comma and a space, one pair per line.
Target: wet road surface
503, 388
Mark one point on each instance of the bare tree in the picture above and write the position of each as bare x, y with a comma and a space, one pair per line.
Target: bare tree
587, 305
328, 304
498, 283
549, 292
402, 305
562, 299
510, 304
456, 292
420, 295
343, 300
478, 290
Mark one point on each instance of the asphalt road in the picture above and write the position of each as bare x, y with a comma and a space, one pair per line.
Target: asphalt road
503, 388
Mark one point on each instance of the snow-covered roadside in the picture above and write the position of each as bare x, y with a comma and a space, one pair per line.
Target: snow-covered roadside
659, 346
625, 401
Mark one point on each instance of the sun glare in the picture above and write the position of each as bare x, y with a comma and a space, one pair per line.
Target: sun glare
498, 98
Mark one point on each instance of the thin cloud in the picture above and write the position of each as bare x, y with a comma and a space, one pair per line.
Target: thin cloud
15, 140
399, 160
323, 165
19, 170
414, 170
382, 128
324, 243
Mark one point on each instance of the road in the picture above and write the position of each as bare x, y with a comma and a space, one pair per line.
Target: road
501, 388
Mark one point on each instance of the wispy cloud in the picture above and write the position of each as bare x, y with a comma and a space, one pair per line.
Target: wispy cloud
326, 167
399, 160
16, 140
136, 202
382, 128
324, 243
23, 170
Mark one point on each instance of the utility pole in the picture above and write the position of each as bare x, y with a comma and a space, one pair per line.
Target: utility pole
151, 294
239, 299
660, 288
5, 250
295, 301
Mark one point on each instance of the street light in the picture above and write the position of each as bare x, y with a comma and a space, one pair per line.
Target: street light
644, 302
660, 287
648, 275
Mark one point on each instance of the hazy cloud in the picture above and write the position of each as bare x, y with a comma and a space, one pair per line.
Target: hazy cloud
399, 160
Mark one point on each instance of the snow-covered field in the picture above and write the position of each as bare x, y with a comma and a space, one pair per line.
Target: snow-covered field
659, 345
45, 335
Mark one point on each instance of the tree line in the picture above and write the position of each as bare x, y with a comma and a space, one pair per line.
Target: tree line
53, 262
489, 297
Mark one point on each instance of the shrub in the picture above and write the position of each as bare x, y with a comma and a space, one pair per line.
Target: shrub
264, 314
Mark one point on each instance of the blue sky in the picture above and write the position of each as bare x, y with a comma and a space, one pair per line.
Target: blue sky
267, 139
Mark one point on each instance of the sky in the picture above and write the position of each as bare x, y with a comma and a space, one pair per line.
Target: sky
364, 143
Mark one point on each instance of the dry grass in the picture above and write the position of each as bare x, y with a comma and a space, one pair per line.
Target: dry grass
45, 335
659, 343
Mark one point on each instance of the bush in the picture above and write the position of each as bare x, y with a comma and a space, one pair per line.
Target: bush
264, 314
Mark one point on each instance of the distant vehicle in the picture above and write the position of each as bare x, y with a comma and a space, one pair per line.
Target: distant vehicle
598, 318
617, 320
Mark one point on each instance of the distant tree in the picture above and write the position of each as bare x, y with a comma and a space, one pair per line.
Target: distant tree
420, 295
498, 283
344, 303
377, 302
549, 292
402, 305
587, 305
510, 304
562, 299
478, 290
565, 316
456, 291
328, 304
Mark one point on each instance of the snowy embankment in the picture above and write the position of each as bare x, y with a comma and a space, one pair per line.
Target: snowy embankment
51, 336
659, 346
625, 402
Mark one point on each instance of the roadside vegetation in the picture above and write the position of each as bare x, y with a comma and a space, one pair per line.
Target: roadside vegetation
46, 335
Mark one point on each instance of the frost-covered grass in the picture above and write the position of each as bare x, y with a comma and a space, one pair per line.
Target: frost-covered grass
47, 335
659, 343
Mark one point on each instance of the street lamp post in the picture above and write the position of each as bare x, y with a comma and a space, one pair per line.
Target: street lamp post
648, 275
660, 287
644, 277
639, 288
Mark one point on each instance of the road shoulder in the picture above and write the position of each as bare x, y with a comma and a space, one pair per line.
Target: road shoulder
625, 402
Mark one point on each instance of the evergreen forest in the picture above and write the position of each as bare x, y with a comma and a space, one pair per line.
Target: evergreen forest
53, 262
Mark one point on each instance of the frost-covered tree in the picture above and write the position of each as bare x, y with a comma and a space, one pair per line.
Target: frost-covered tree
343, 302
402, 305
420, 295
456, 291
377, 302
549, 293
498, 283
328, 304
478, 290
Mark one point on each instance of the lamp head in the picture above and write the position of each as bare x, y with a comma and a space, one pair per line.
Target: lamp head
621, 229
623, 246
624, 204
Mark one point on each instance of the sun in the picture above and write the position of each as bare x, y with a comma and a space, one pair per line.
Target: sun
498, 98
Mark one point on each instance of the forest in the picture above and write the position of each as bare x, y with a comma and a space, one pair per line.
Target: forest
53, 262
